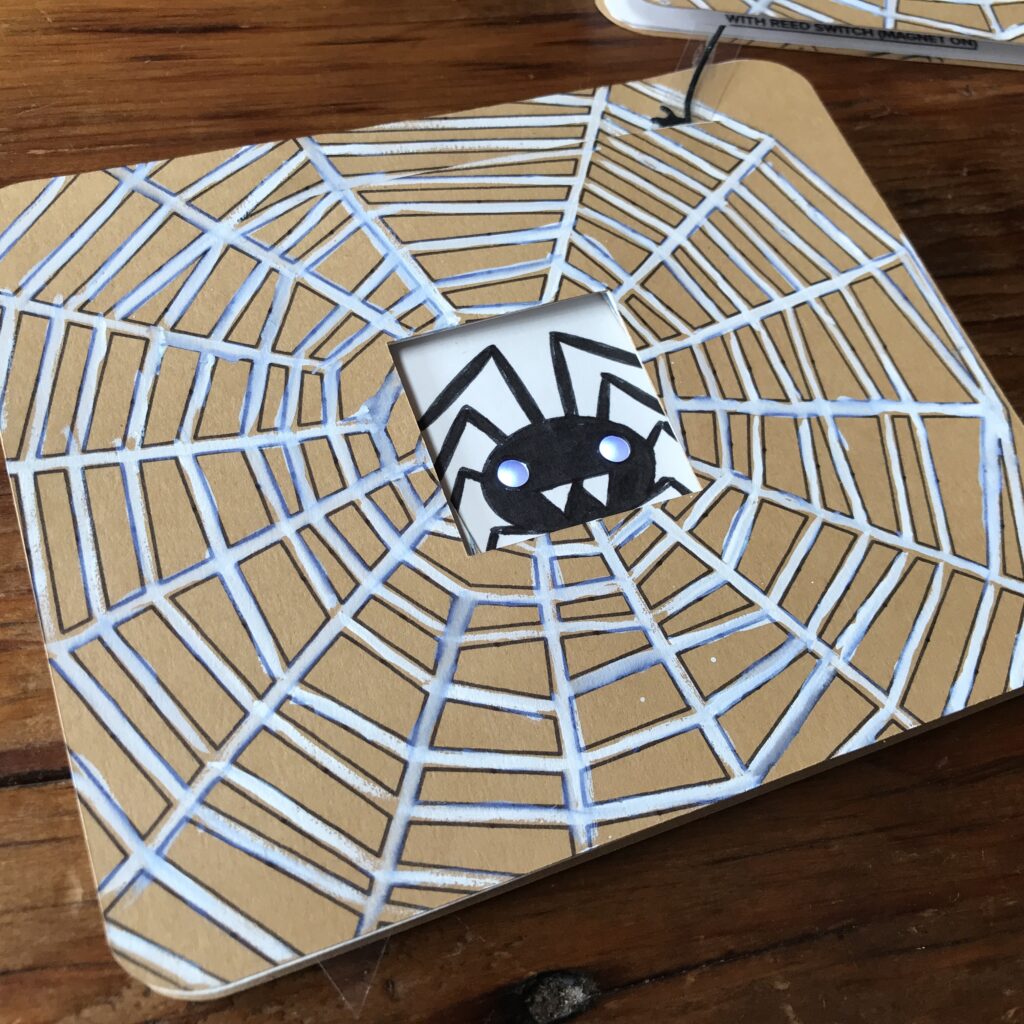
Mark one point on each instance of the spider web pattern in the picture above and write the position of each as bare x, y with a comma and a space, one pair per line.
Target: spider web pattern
996, 20
297, 711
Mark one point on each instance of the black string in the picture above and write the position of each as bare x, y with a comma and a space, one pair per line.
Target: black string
671, 118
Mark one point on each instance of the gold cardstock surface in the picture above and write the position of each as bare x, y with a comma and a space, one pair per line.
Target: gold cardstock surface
297, 711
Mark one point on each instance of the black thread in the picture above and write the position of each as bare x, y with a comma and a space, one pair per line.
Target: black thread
671, 118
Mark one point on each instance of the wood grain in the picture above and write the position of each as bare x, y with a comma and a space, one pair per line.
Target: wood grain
886, 890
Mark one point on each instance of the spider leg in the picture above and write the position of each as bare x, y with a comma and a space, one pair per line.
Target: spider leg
563, 379
604, 395
559, 342
460, 484
465, 377
666, 482
468, 417
595, 348
660, 428
670, 454
468, 491
497, 532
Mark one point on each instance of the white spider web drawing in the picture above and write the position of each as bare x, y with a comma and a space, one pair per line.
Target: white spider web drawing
754, 289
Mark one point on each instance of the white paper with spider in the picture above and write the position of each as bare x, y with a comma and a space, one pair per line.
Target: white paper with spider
540, 420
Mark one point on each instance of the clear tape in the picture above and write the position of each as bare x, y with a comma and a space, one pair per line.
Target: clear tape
705, 56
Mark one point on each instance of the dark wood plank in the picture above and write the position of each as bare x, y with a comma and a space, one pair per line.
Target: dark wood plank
146, 79
883, 891
30, 741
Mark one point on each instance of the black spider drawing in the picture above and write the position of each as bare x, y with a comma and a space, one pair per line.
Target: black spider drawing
610, 450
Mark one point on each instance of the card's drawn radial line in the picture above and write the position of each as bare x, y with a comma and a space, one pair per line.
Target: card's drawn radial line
420, 740
574, 783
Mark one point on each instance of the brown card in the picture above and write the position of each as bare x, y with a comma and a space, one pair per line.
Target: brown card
298, 711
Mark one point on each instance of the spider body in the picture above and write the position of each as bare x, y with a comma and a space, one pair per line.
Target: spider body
570, 481
538, 438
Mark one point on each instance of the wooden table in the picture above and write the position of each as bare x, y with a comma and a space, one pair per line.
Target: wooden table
888, 890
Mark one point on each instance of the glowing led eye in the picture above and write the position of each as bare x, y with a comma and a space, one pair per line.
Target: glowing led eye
614, 448
513, 473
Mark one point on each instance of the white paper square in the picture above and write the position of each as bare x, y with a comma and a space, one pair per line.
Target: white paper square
558, 389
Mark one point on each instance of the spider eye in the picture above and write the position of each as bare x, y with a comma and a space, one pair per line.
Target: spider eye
614, 448
513, 473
